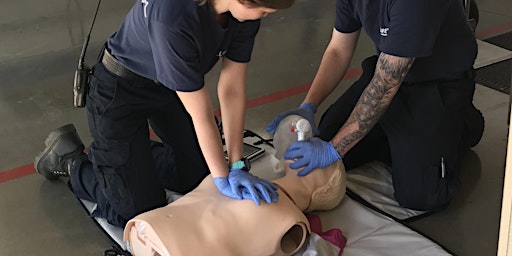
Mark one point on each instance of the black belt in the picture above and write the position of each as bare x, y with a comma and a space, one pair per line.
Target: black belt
113, 65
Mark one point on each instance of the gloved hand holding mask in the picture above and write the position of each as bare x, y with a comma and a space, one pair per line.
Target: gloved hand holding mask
306, 110
311, 154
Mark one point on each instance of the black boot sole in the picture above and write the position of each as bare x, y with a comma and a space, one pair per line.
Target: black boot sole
50, 142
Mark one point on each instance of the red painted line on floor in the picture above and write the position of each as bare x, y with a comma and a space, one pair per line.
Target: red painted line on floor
272, 97
29, 168
275, 96
494, 31
17, 173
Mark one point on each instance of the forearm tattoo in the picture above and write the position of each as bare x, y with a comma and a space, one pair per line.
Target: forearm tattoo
389, 74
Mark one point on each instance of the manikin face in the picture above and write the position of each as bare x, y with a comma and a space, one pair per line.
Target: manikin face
243, 12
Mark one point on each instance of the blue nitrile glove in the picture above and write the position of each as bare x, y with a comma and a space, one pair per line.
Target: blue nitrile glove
306, 110
312, 153
243, 185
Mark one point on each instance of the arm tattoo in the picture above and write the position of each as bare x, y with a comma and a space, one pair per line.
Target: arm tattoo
375, 99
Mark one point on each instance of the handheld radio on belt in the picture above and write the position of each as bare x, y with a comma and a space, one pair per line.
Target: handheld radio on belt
81, 83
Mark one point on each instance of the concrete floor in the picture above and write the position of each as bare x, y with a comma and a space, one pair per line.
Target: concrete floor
39, 47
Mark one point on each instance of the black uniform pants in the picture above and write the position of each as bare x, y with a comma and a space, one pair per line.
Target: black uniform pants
124, 172
421, 135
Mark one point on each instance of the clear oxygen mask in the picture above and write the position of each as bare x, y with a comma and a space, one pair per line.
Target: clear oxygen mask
291, 129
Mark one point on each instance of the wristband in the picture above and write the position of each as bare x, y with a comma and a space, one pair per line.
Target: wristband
243, 164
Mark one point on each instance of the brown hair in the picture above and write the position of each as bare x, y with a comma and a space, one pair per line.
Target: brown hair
273, 4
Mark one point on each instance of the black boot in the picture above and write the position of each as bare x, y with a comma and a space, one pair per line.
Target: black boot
63, 145
474, 124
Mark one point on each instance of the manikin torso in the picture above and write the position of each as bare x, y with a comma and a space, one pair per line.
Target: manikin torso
204, 222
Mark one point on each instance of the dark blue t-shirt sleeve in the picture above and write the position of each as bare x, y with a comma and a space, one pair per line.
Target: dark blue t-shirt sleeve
413, 27
345, 21
242, 42
176, 58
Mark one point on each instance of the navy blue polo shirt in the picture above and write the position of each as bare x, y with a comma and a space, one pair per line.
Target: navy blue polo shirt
176, 42
435, 32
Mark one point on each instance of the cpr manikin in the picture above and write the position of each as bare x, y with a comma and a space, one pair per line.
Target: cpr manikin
204, 222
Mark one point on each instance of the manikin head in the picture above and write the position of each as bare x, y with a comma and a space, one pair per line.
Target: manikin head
321, 189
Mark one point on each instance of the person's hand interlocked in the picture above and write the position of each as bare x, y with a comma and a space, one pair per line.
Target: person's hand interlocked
311, 154
243, 185
306, 110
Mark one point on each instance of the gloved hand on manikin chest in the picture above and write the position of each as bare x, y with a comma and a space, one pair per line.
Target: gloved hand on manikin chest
243, 185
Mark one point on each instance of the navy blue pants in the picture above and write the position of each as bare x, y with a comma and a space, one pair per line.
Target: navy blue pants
422, 130
124, 172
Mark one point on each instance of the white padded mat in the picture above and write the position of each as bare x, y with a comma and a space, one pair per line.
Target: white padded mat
370, 233
373, 183
367, 232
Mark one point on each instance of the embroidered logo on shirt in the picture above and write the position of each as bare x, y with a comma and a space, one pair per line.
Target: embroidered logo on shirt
221, 53
384, 31
145, 4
